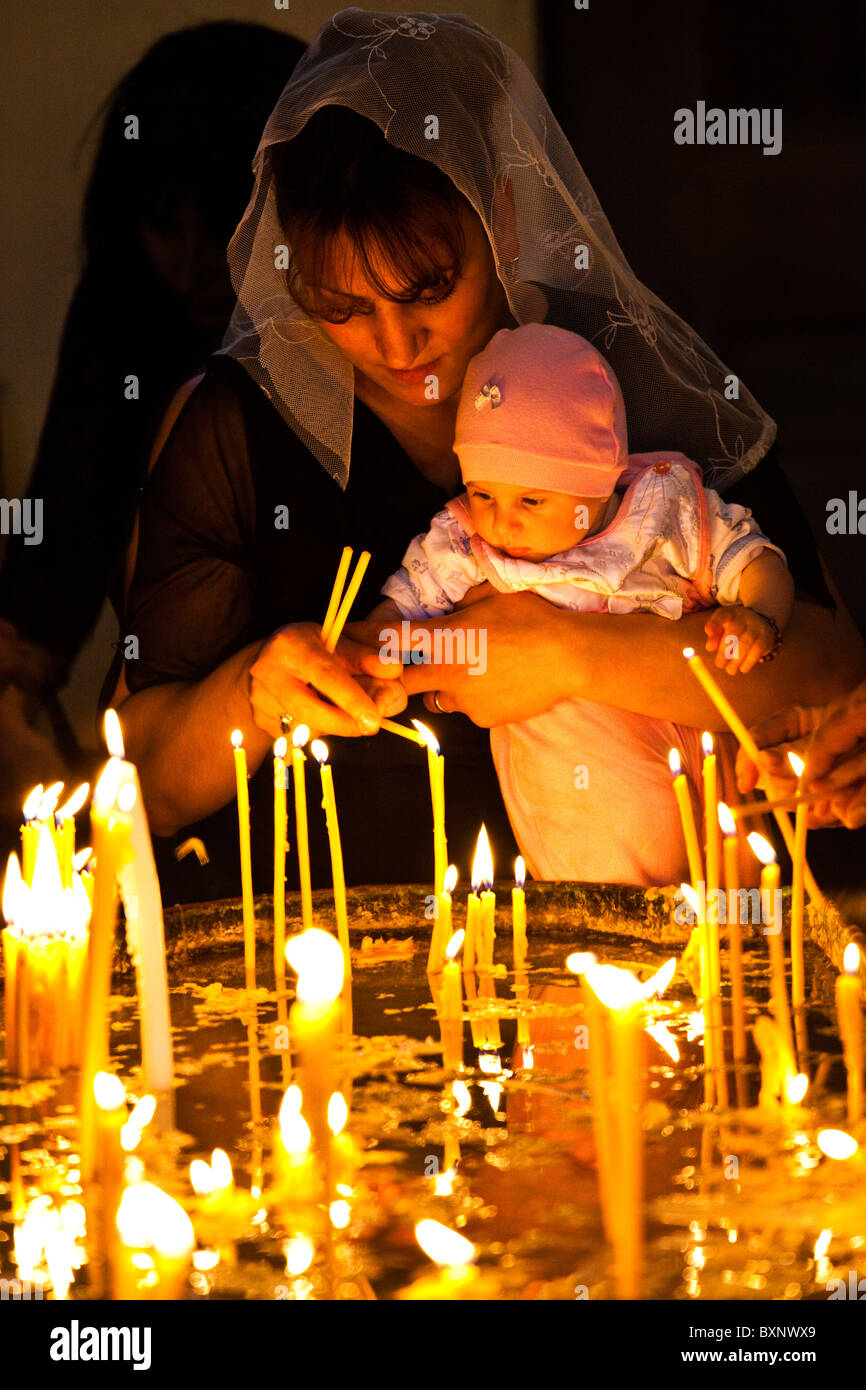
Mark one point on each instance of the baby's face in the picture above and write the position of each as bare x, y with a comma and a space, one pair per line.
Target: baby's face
529, 523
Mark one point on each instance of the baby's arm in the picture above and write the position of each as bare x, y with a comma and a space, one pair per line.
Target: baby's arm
743, 634
438, 570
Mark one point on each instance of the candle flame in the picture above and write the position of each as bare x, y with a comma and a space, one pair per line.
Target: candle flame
31, 805
797, 764
707, 743
450, 880
294, 1131
454, 944
80, 859
796, 1087
430, 739
444, 1246
482, 864
237, 739
726, 819
317, 958
203, 1260
658, 983
674, 762
319, 751
113, 734
689, 653
490, 1062
143, 1112
761, 848
338, 1113
13, 884
616, 988
691, 897
108, 1091
149, 1219
519, 871
462, 1098
851, 959
300, 736
280, 748
221, 1167
822, 1244
665, 1039
580, 961
835, 1143
340, 1213
299, 1252
46, 900
75, 802
48, 804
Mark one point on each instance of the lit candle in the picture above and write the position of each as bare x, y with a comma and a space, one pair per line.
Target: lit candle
623, 1014
157, 1241
457, 1276
518, 913
315, 1020
436, 768
851, 1028
732, 885
110, 1101
798, 888
30, 833
687, 817
487, 914
773, 931
65, 834
295, 1177
243, 794
111, 826
145, 934
451, 1006
280, 847
319, 751
711, 835
302, 838
738, 728
441, 933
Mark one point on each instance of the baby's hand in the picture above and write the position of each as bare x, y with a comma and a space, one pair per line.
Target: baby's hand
740, 637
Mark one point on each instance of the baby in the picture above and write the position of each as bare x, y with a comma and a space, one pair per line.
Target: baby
554, 503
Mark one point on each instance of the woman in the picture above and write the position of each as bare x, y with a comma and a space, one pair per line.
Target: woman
376, 257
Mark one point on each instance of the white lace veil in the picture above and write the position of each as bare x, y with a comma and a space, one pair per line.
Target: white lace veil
493, 121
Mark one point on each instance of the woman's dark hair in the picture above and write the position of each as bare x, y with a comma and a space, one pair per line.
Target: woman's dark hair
201, 97
340, 174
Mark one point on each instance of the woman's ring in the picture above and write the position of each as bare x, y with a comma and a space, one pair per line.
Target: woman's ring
286, 722
437, 704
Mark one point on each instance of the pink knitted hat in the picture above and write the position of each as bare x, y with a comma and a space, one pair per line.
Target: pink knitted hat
540, 407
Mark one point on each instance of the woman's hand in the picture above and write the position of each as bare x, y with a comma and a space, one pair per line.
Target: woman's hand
345, 693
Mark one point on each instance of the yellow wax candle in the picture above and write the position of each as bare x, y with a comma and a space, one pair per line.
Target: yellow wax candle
451, 1006
110, 1112
851, 1027
482, 874
280, 847
473, 921
488, 928
518, 913
329, 803
111, 825
441, 933
773, 931
599, 1083
302, 837
711, 835
436, 769
699, 939
798, 888
315, 1021
243, 794
687, 817
737, 727
152, 1257
65, 831
732, 885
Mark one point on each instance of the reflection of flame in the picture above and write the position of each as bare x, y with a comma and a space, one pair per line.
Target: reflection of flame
340, 1213
691, 897
797, 764
294, 1130
658, 983
580, 961
450, 882
762, 848
430, 739
317, 958
108, 1091
482, 864
665, 1039
493, 1091
149, 1219
696, 1026
461, 1093
796, 1087
443, 1245
216, 1176
443, 1183
490, 1062
822, 1244
674, 762
114, 734
338, 1113
616, 988
851, 958
726, 819
707, 743
835, 1143
299, 1251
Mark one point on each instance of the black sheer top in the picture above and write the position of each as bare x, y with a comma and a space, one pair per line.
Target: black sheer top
218, 569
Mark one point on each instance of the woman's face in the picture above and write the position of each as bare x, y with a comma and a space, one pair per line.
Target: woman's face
418, 352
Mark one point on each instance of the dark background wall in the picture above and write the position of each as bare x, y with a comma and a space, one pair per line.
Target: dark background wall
763, 254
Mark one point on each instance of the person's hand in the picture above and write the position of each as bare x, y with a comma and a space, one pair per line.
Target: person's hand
753, 633
836, 763
787, 730
514, 649
295, 676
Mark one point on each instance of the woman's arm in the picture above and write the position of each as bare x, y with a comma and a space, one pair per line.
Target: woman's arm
537, 654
